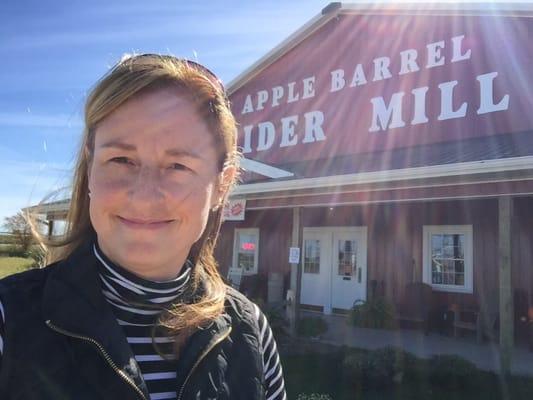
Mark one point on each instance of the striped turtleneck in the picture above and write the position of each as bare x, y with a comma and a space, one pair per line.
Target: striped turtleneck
137, 302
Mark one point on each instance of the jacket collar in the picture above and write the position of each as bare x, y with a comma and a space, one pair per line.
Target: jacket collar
74, 301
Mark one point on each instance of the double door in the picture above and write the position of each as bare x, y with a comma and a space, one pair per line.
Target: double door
333, 267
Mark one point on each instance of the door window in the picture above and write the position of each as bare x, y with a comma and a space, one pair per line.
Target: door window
312, 256
347, 256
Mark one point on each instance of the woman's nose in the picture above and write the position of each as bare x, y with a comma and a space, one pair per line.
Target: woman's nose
147, 185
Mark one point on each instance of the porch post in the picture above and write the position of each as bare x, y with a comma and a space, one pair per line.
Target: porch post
505, 206
296, 273
50, 228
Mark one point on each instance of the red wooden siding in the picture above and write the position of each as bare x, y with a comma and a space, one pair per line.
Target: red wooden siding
395, 243
275, 228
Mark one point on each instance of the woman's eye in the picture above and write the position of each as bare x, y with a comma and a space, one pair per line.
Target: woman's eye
122, 160
179, 167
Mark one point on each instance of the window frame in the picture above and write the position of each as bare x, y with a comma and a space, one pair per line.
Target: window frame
467, 231
254, 231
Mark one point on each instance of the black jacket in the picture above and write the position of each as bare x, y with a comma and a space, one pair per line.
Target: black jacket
62, 341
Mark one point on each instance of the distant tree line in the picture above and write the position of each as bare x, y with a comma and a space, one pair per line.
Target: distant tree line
19, 227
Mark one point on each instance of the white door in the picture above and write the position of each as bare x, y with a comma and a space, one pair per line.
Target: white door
316, 257
333, 267
348, 267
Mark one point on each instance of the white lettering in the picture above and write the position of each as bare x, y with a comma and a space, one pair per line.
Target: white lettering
266, 135
435, 58
359, 77
457, 44
381, 68
446, 102
248, 106
486, 95
288, 136
313, 127
277, 94
419, 115
309, 87
247, 148
384, 113
409, 64
262, 97
337, 80
291, 98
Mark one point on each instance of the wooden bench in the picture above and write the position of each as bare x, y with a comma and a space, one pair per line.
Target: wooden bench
467, 319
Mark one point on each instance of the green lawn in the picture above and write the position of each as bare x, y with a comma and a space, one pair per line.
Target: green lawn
11, 265
322, 373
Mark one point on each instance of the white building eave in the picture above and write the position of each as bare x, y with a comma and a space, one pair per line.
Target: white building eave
264, 169
435, 171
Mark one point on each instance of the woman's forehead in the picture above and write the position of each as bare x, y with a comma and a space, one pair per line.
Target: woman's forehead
165, 116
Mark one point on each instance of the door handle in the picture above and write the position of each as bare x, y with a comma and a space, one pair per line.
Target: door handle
346, 278
359, 278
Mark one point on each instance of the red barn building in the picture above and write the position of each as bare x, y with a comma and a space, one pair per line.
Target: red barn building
391, 146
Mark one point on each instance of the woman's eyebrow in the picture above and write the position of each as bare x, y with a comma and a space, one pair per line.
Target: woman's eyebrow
170, 152
119, 145
182, 153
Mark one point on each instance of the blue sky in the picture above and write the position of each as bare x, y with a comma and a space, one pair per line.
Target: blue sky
54, 51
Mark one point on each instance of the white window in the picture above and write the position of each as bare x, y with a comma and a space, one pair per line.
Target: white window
447, 258
245, 250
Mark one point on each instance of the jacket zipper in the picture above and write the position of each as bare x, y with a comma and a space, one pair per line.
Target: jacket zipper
204, 354
106, 356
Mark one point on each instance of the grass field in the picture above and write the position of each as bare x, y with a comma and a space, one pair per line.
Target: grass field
11, 265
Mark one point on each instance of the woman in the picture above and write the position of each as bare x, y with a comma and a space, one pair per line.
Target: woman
135, 308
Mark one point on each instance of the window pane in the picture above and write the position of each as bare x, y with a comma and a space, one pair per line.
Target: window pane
447, 240
448, 266
312, 256
436, 265
459, 266
245, 261
448, 251
436, 245
436, 277
447, 259
247, 242
347, 257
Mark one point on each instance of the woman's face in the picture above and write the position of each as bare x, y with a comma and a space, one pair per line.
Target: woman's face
153, 180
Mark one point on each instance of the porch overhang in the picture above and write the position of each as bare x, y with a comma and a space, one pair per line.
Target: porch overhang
264, 169
477, 179
55, 210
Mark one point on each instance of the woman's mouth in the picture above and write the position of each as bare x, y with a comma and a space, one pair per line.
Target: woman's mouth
144, 224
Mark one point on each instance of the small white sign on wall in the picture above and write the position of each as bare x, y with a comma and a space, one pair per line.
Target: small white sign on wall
294, 255
234, 210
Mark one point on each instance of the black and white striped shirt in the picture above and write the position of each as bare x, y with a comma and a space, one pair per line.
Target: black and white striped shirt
137, 302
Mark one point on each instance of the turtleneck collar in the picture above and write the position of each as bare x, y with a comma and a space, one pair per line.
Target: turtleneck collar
124, 289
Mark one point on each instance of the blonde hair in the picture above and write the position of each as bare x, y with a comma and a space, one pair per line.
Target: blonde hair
130, 77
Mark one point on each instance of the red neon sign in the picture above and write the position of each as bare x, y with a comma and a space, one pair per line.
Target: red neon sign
248, 246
